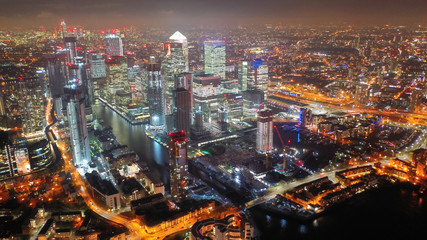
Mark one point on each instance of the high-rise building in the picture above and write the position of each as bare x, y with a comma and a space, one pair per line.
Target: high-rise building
25, 93
243, 72
63, 28
97, 66
76, 116
177, 37
156, 94
304, 117
207, 95
264, 134
258, 76
183, 110
70, 43
173, 64
57, 70
113, 45
215, 58
178, 166
117, 78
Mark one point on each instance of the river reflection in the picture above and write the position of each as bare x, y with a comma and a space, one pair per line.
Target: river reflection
154, 154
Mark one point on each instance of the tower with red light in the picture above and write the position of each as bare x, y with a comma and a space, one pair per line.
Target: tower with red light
178, 166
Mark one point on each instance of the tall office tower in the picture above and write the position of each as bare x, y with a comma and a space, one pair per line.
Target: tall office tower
207, 95
178, 166
63, 28
243, 72
156, 95
57, 70
70, 47
183, 110
362, 94
198, 121
177, 37
264, 133
173, 64
215, 58
97, 66
117, 78
114, 45
185, 81
258, 76
304, 117
25, 94
77, 123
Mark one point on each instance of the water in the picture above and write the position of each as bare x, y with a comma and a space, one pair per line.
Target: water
392, 212
154, 154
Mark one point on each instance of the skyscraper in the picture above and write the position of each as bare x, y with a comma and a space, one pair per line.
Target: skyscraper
264, 134
258, 76
215, 58
113, 45
156, 94
178, 166
173, 64
77, 123
243, 75
24, 97
207, 95
97, 66
177, 37
70, 48
304, 117
183, 110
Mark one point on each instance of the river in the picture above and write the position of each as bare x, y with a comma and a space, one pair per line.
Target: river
154, 154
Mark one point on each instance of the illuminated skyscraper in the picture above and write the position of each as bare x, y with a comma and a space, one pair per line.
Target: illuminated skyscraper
70, 42
178, 166
207, 95
97, 66
183, 110
243, 71
175, 62
177, 37
77, 124
113, 45
156, 94
63, 28
258, 76
25, 92
304, 117
264, 134
215, 58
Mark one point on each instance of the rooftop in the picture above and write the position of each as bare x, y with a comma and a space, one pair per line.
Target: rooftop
178, 37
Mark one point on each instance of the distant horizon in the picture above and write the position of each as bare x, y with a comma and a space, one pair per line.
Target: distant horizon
114, 13
176, 26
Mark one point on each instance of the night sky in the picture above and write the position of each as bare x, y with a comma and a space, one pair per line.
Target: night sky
115, 13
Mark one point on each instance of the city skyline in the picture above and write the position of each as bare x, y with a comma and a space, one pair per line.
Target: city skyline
180, 127
113, 13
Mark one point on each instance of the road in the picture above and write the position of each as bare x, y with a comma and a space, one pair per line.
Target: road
412, 118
